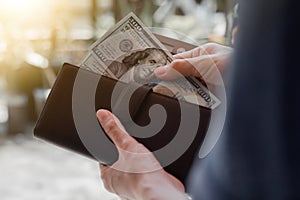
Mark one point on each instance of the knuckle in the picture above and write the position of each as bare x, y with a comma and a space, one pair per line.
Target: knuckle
110, 126
127, 144
116, 130
117, 137
197, 52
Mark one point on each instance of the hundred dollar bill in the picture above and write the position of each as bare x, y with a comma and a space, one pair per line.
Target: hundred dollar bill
130, 52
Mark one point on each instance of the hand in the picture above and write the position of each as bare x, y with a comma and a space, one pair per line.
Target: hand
137, 174
207, 61
163, 90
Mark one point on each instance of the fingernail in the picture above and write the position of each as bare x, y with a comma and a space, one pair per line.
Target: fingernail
102, 115
160, 70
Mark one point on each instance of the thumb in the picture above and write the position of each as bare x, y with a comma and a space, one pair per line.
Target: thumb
114, 129
177, 68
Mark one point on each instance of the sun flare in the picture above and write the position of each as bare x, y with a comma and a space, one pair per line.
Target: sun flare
23, 10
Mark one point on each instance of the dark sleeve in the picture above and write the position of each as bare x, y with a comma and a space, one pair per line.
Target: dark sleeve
257, 155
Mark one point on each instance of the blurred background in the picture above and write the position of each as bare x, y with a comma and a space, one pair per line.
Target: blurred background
36, 38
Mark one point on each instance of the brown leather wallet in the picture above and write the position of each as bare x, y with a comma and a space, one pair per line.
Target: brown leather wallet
78, 93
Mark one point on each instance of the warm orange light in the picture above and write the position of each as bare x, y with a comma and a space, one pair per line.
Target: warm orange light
23, 10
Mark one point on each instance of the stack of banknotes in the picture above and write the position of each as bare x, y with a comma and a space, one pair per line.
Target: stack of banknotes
129, 52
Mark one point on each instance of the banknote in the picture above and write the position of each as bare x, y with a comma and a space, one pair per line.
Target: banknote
130, 52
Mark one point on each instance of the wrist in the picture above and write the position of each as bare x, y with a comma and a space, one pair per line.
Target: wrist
159, 188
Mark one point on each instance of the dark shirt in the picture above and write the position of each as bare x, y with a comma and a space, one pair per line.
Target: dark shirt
257, 156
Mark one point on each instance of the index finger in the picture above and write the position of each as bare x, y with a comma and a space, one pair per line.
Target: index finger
178, 68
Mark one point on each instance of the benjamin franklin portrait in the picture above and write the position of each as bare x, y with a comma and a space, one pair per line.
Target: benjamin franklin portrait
139, 66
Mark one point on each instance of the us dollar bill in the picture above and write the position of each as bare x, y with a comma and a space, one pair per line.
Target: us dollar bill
130, 52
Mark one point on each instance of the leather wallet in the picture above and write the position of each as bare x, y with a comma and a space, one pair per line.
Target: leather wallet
69, 118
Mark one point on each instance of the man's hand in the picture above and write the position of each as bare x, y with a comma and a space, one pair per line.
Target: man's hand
207, 61
137, 174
